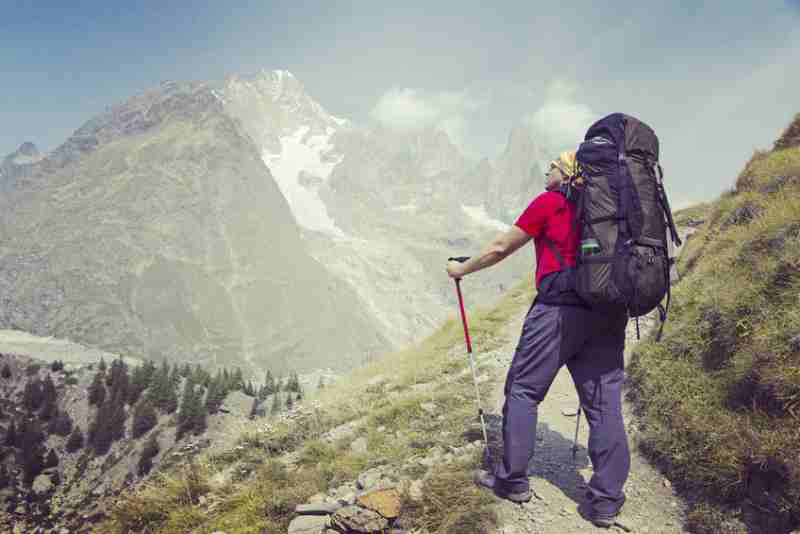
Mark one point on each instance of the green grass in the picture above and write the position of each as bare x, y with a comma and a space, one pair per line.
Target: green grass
382, 399
719, 396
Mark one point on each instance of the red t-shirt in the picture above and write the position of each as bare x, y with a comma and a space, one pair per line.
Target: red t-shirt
550, 215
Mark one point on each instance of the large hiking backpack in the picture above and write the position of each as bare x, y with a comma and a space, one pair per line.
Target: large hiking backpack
624, 219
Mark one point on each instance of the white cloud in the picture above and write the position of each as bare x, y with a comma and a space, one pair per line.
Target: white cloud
561, 122
412, 109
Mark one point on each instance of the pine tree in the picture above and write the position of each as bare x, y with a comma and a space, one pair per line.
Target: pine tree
149, 451
216, 394
321, 383
102, 367
144, 418
49, 398
289, 401
276, 403
61, 424
227, 380
200, 376
75, 441
254, 408
118, 379
97, 390
6, 372
100, 432
51, 460
32, 396
269, 383
238, 379
5, 478
162, 391
192, 414
31, 450
56, 366
141, 378
11, 439
175, 376
186, 370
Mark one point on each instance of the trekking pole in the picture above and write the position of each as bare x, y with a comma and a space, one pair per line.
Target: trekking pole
462, 259
575, 442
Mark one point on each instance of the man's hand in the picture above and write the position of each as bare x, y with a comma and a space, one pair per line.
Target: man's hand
501, 247
455, 269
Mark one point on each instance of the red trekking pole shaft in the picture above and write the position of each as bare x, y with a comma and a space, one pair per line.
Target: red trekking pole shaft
469, 352
463, 315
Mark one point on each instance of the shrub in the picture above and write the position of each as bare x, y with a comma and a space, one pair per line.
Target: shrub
149, 451
75, 441
451, 504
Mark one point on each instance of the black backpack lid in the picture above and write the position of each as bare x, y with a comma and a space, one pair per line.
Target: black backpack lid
626, 131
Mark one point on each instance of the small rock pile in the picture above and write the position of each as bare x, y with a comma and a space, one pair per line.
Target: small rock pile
371, 505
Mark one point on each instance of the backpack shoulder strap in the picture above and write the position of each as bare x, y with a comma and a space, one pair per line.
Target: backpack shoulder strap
549, 244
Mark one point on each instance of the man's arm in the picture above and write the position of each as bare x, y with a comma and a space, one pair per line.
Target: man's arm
500, 248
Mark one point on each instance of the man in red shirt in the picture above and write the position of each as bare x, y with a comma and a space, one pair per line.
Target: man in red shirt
559, 330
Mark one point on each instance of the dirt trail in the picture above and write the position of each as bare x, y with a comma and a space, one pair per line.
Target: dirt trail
651, 508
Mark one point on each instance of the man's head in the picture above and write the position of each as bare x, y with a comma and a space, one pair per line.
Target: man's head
561, 170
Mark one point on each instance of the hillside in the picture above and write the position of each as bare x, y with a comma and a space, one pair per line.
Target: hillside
719, 397
74, 435
392, 447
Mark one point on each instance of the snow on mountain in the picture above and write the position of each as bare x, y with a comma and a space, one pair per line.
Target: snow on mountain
303, 163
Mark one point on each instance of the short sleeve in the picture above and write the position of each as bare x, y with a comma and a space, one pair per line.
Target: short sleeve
534, 219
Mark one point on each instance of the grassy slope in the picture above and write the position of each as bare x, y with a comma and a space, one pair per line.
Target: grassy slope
720, 395
262, 495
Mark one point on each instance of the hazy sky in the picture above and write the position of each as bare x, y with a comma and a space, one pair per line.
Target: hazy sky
715, 81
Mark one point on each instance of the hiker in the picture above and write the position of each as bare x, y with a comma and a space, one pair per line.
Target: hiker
559, 329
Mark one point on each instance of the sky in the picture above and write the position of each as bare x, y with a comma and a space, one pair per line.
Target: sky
716, 80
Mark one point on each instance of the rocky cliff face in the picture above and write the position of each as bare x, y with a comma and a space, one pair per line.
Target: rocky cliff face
517, 177
157, 230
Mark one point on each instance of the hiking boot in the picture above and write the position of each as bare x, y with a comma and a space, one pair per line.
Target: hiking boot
484, 479
598, 520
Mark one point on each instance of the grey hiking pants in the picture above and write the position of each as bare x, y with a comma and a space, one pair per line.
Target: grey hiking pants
591, 345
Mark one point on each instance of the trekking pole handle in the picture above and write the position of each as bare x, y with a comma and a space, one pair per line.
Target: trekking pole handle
459, 259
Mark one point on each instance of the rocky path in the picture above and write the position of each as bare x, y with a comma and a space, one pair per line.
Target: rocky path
651, 508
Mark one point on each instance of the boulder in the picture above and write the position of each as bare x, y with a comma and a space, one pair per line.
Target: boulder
322, 508
385, 502
309, 524
358, 520
42, 484
369, 479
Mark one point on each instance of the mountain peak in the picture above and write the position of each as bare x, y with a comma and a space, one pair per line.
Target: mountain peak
26, 154
28, 149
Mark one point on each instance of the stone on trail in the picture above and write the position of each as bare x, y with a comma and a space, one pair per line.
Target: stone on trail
385, 502
794, 343
371, 479
323, 508
309, 524
359, 445
359, 520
